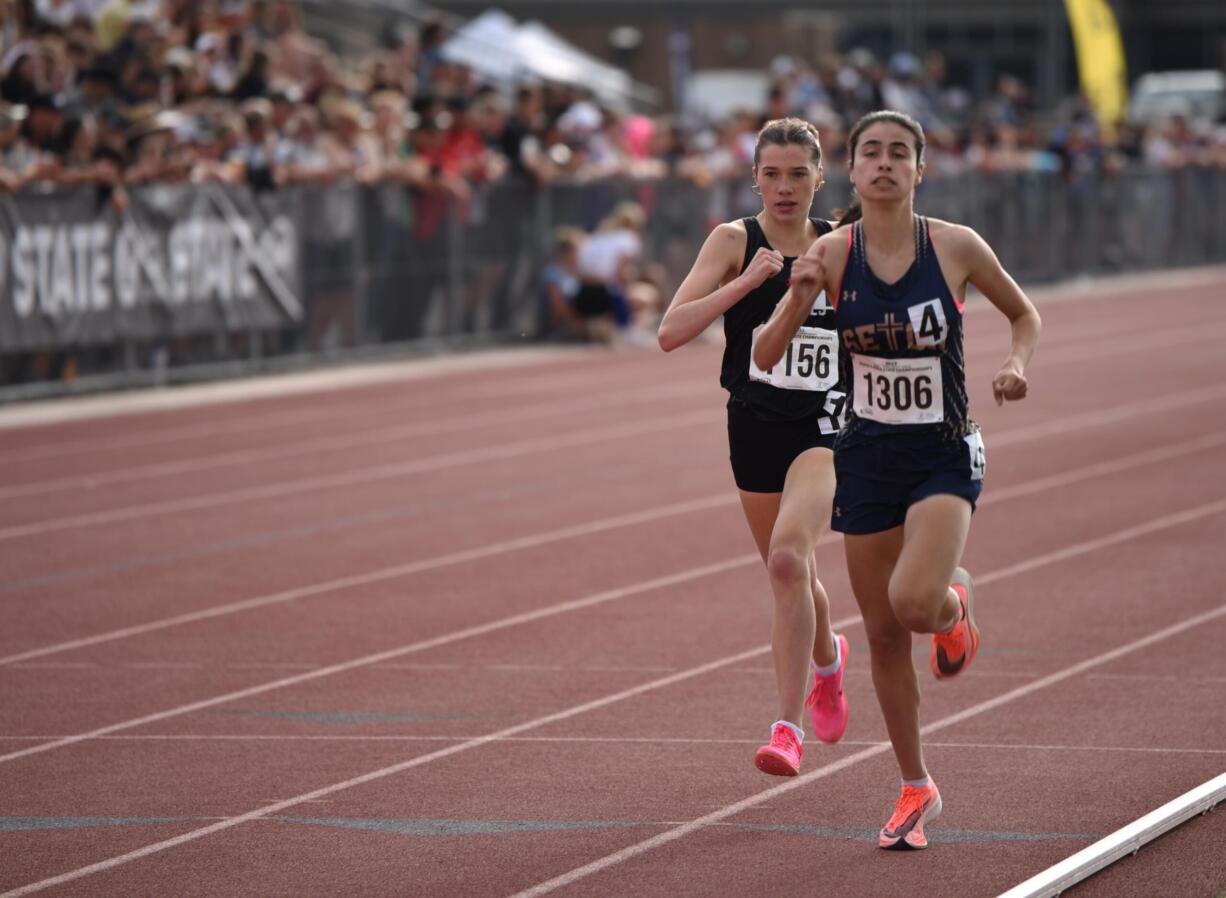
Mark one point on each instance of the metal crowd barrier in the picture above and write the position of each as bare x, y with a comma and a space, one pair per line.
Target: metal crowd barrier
194, 282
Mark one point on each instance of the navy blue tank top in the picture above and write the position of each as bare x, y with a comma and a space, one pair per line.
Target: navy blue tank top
765, 399
901, 344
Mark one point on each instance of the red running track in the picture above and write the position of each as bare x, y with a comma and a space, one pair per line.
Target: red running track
502, 632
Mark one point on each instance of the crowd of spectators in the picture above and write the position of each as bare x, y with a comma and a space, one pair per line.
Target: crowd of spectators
121, 92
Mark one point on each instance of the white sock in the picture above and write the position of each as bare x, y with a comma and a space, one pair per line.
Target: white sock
800, 734
830, 668
917, 784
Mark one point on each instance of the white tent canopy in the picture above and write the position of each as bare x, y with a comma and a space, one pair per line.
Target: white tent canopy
487, 46
498, 48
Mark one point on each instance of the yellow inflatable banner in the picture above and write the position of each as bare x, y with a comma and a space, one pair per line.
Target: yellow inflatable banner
1100, 58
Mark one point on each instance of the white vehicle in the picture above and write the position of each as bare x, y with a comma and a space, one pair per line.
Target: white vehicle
1196, 95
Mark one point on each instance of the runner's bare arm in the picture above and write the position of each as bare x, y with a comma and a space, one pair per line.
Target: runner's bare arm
713, 285
809, 278
990, 278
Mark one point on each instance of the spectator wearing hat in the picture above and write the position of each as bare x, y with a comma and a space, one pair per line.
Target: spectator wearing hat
183, 82
216, 64
257, 151
22, 69
902, 89
254, 80
154, 149
207, 152
37, 156
396, 169
78, 141
520, 142
60, 13
93, 93
300, 156
43, 122
332, 227
431, 36
15, 153
284, 102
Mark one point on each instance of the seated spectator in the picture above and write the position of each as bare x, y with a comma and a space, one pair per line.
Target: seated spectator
614, 278
558, 317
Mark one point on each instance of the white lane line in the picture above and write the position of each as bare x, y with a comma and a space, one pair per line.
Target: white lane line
525, 668
1054, 880
390, 654
691, 826
246, 420
976, 710
1165, 678
164, 665
852, 674
327, 381
372, 776
1152, 526
1093, 749
710, 502
332, 381
612, 740
1058, 426
421, 667
62, 665
368, 474
461, 423
275, 665
1137, 284
1169, 339
350, 440
464, 556
1141, 408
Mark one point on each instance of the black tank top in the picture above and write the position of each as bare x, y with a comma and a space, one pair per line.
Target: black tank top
767, 401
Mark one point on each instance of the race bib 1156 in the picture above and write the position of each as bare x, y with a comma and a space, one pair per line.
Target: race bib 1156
811, 362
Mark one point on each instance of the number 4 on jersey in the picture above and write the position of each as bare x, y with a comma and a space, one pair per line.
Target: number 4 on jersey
928, 323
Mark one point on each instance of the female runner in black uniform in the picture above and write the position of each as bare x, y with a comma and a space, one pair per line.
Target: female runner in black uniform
781, 422
910, 461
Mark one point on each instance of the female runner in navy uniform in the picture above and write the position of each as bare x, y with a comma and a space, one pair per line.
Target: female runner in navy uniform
781, 422
909, 460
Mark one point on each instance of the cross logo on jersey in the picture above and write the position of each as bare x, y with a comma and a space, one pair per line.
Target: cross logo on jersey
895, 331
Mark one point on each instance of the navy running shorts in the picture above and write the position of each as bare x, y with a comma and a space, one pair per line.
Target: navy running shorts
761, 451
879, 479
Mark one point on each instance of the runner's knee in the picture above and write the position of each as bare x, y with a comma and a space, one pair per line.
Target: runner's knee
888, 642
788, 565
916, 607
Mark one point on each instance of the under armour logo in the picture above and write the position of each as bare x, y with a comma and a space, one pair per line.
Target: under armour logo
849, 296
838, 512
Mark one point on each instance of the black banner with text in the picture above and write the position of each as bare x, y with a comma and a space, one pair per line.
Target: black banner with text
180, 261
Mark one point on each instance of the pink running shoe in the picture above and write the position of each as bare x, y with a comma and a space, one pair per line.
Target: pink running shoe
781, 756
826, 703
915, 807
953, 652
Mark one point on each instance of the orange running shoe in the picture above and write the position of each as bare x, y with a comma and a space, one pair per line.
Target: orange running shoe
915, 807
781, 756
826, 703
952, 652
